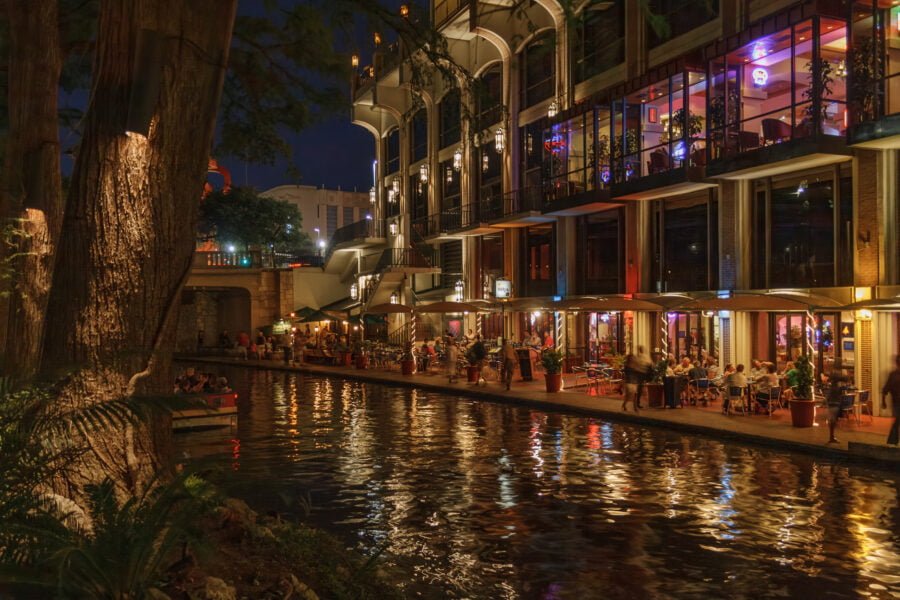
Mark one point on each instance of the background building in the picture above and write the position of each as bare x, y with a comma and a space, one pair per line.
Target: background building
322, 209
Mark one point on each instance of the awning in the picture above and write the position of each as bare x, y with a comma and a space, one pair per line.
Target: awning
446, 307
316, 316
759, 303
304, 312
888, 304
388, 309
609, 304
342, 305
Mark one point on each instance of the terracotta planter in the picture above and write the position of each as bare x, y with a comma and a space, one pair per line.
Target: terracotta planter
346, 359
655, 395
472, 374
362, 361
553, 381
407, 367
803, 413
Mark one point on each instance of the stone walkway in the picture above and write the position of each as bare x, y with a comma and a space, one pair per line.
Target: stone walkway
865, 441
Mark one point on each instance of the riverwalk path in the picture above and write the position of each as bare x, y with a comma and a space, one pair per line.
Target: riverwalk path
865, 441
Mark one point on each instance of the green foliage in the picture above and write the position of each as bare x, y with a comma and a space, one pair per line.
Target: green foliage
658, 374
552, 360
476, 353
243, 218
804, 377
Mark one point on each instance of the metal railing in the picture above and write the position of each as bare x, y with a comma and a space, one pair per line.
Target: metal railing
254, 259
359, 230
405, 257
512, 203
445, 9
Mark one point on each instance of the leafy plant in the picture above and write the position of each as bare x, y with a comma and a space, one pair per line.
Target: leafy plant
865, 91
694, 124
475, 354
552, 361
820, 88
658, 374
804, 377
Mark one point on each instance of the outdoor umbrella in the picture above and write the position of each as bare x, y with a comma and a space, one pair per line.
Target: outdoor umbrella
752, 302
367, 319
317, 316
605, 304
389, 309
446, 307
890, 304
302, 313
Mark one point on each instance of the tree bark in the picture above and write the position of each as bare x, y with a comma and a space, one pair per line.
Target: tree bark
32, 189
129, 226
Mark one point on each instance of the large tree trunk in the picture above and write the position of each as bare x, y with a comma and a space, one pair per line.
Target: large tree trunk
32, 194
129, 226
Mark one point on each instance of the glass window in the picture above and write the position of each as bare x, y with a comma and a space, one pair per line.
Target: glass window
348, 215
809, 218
331, 219
450, 197
490, 183
491, 247
601, 263
787, 85
419, 200
489, 97
685, 228
532, 155
538, 70
450, 118
392, 151
569, 156
671, 18
539, 260
874, 62
419, 135
599, 40
660, 127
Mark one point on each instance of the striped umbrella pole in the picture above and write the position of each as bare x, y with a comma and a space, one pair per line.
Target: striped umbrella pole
479, 324
412, 329
558, 321
665, 334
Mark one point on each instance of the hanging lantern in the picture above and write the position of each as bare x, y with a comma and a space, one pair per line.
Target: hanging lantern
392, 197
372, 195
404, 10
354, 291
395, 185
553, 109
392, 227
485, 162
449, 174
500, 140
459, 287
354, 61
423, 172
395, 298
457, 160
377, 38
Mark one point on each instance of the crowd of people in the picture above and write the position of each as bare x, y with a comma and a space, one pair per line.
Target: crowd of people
192, 381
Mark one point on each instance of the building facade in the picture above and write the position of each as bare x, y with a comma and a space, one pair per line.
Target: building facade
323, 210
745, 148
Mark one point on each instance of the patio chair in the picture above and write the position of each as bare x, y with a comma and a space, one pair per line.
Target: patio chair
848, 404
699, 390
659, 161
770, 402
736, 400
865, 404
775, 131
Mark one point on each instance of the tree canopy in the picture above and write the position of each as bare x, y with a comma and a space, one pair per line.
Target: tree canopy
245, 219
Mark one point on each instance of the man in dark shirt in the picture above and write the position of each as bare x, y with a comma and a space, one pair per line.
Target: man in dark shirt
892, 387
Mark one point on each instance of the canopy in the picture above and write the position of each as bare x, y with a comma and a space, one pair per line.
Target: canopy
302, 313
751, 302
367, 319
317, 316
875, 304
446, 307
386, 309
605, 304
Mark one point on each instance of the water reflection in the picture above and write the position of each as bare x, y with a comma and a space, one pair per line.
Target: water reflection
481, 500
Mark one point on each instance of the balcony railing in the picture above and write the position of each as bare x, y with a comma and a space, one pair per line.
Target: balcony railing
254, 259
512, 203
405, 257
359, 230
444, 10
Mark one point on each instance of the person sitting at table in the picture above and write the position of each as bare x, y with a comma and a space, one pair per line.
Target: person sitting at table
534, 340
699, 378
548, 341
792, 377
766, 387
735, 384
427, 354
670, 366
756, 369
684, 367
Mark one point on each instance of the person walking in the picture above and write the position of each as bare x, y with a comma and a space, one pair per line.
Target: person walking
510, 360
838, 380
892, 387
452, 359
632, 379
644, 367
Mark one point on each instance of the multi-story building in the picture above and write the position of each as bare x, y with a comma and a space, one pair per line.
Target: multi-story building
323, 210
747, 149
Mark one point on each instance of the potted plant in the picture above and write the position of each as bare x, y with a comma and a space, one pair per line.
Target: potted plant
345, 356
552, 362
655, 389
803, 406
475, 354
407, 360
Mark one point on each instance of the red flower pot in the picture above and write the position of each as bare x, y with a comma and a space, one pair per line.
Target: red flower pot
346, 358
407, 367
803, 413
362, 361
553, 381
472, 374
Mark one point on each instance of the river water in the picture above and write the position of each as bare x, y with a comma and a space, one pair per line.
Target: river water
471, 499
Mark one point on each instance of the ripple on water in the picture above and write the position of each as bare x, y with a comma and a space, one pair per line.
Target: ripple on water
478, 500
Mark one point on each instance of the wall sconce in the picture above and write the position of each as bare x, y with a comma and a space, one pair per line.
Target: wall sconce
457, 160
377, 38
373, 195
395, 298
449, 175
423, 172
485, 162
392, 227
864, 315
459, 288
553, 109
148, 66
865, 239
500, 140
392, 197
354, 291
395, 185
404, 10
354, 61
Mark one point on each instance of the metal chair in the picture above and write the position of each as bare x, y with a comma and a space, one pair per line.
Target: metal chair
736, 399
865, 403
